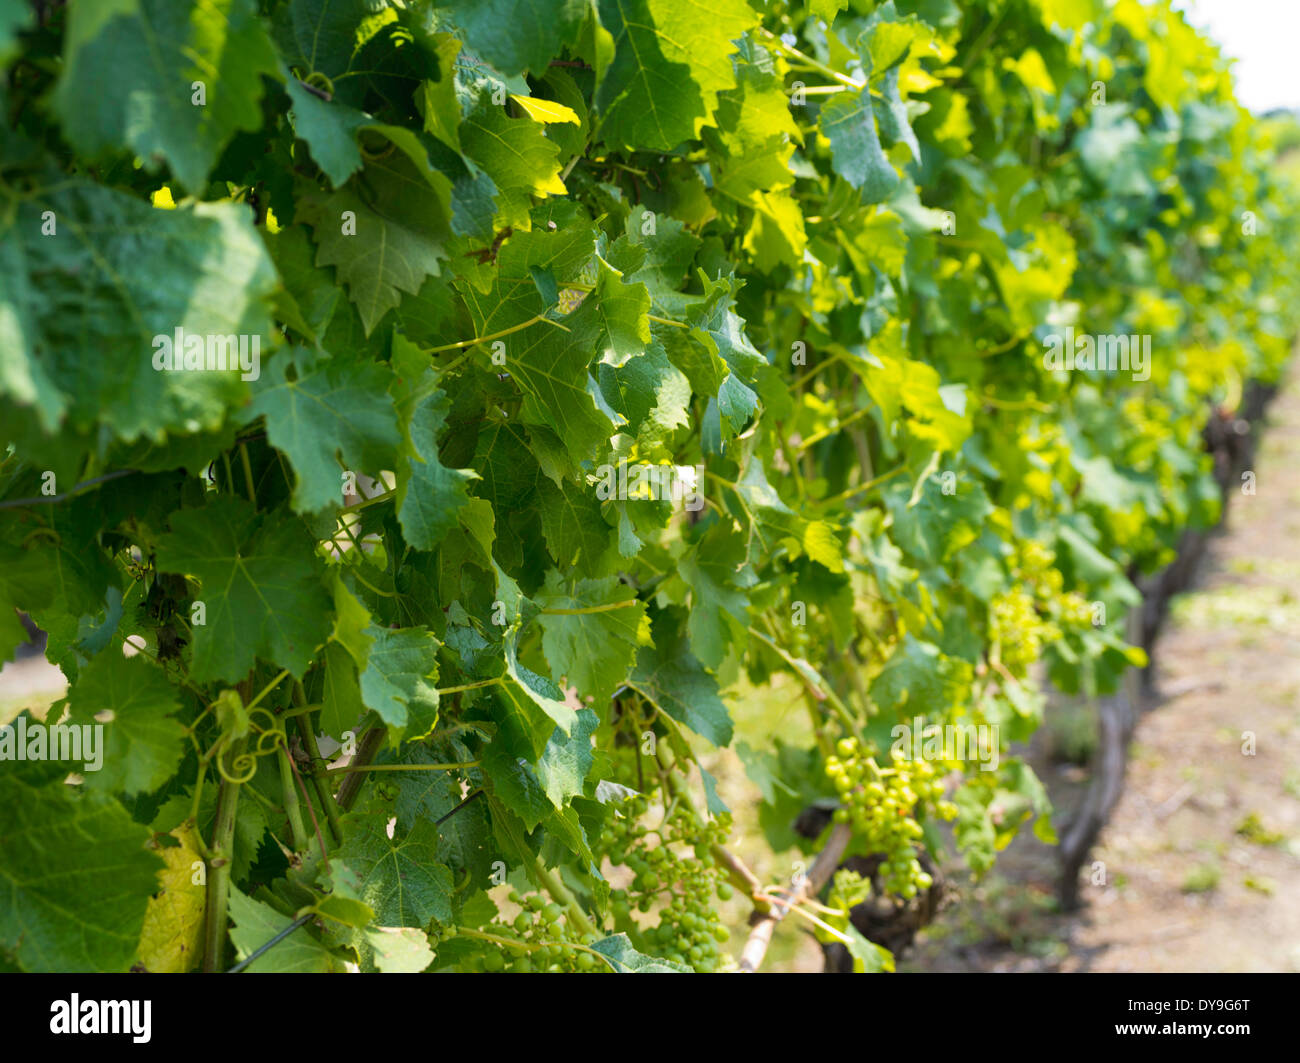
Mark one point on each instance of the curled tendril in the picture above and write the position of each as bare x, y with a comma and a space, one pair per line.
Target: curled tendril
244, 762
276, 740
274, 728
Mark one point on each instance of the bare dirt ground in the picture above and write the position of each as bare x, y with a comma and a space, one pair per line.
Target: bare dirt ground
1199, 867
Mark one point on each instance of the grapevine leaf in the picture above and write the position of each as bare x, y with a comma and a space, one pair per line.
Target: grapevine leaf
623, 307
670, 62
714, 803
512, 836
75, 877
566, 761
515, 784
260, 584
590, 633
892, 118
332, 416
517, 35
672, 678
551, 367
257, 923
868, 957
132, 80
142, 744
83, 325
172, 935
651, 393
464, 840
919, 680
932, 526
539, 690
399, 874
308, 298
515, 151
341, 704
23, 585
380, 255
437, 99
399, 950
398, 681
710, 569
15, 16
625, 959
429, 495
575, 530
848, 121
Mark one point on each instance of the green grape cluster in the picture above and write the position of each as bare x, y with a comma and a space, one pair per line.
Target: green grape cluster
680, 868
1074, 610
1035, 567
1018, 630
881, 806
1019, 613
539, 939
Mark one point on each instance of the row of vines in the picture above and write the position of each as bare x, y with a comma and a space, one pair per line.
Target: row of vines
422, 416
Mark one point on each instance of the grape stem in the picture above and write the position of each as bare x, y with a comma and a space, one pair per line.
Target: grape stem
292, 807
350, 787
221, 852
740, 875
308, 735
532, 946
760, 934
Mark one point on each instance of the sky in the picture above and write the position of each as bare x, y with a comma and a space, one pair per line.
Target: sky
1262, 36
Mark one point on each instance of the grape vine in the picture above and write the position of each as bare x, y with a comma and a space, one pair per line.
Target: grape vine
430, 431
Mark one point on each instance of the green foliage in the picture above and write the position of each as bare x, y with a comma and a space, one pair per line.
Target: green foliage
677, 344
